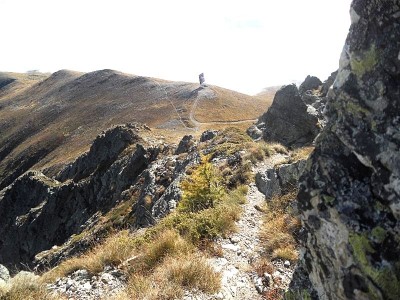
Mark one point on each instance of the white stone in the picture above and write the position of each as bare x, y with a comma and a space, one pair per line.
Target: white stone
286, 264
107, 278
343, 71
231, 247
87, 286
4, 274
235, 239
276, 274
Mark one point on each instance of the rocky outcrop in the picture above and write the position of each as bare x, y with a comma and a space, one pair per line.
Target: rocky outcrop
296, 115
350, 191
38, 212
328, 84
289, 120
104, 150
280, 180
160, 193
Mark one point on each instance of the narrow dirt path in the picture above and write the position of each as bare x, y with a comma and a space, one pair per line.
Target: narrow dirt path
239, 250
238, 277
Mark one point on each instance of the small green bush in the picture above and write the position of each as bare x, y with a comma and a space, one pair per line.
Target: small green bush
202, 189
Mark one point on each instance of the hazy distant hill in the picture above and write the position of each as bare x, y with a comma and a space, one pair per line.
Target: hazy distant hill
47, 120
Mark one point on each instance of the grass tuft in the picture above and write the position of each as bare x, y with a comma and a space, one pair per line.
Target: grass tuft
167, 243
191, 272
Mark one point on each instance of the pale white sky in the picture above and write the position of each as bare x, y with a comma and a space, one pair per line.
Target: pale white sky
242, 45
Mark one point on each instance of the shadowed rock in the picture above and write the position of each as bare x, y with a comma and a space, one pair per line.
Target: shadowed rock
37, 212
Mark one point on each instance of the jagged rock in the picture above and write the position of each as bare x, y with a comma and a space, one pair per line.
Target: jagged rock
309, 84
275, 182
4, 274
350, 192
186, 144
289, 175
105, 149
208, 135
288, 120
38, 212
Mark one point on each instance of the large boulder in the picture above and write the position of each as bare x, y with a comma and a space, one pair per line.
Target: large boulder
289, 120
350, 191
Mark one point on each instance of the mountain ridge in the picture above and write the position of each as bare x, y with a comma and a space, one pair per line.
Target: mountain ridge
40, 113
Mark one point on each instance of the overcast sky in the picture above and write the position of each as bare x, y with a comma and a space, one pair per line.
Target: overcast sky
242, 45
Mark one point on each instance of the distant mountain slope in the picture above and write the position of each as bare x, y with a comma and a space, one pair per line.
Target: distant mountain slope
46, 121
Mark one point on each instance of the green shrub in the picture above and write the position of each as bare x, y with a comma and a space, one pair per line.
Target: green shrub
202, 189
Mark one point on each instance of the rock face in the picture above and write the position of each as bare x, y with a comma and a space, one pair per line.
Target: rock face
37, 212
350, 191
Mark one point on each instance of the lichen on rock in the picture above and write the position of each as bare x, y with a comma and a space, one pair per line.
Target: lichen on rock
349, 193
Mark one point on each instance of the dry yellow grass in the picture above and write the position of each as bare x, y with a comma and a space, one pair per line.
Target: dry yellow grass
25, 286
300, 154
167, 243
190, 271
171, 277
278, 148
278, 233
231, 106
113, 251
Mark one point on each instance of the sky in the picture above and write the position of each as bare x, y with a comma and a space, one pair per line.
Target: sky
244, 45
